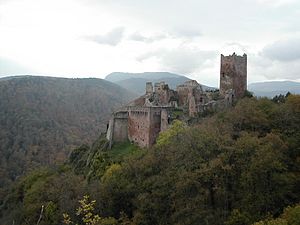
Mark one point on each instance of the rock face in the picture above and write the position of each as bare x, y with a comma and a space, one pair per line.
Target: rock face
143, 119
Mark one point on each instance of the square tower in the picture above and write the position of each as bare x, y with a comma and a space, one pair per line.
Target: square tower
233, 75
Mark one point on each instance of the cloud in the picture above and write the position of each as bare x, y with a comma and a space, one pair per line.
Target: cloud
183, 59
276, 3
236, 47
137, 36
283, 50
113, 37
261, 67
279, 60
187, 32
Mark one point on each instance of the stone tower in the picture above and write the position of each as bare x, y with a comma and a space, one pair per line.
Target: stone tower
149, 88
233, 75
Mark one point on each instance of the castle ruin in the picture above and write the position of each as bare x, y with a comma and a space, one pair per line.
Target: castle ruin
233, 75
141, 120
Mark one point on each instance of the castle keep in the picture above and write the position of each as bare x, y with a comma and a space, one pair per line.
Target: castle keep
233, 75
143, 119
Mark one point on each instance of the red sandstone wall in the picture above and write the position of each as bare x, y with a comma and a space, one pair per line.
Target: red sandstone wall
120, 130
138, 126
155, 122
233, 74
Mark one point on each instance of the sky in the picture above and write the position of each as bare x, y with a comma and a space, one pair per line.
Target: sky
92, 38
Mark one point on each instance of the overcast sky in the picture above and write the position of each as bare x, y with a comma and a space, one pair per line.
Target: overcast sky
92, 38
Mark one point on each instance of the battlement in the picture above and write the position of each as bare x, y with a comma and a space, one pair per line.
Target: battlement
233, 57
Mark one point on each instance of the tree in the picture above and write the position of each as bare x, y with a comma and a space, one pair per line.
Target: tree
87, 214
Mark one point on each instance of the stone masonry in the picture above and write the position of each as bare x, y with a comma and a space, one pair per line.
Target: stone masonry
141, 120
233, 75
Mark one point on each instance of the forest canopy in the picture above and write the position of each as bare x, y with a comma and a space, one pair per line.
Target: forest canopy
239, 166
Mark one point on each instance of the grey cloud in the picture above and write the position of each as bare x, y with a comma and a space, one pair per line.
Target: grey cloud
113, 37
269, 69
183, 60
148, 39
283, 50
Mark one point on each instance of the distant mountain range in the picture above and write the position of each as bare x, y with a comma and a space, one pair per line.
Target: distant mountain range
43, 118
136, 82
272, 88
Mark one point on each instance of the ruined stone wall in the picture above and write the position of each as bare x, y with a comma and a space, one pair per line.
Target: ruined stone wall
149, 88
192, 106
109, 132
240, 81
120, 126
155, 124
120, 130
233, 74
117, 130
183, 93
164, 120
162, 91
145, 124
191, 96
139, 125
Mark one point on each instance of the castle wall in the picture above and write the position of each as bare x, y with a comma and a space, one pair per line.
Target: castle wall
145, 124
149, 88
143, 119
155, 124
164, 120
163, 92
192, 106
233, 75
118, 127
183, 93
139, 126
240, 81
109, 132
120, 130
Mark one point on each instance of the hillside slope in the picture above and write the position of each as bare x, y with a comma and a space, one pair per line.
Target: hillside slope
234, 167
43, 118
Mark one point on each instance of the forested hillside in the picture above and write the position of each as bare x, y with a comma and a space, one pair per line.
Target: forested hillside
236, 167
43, 118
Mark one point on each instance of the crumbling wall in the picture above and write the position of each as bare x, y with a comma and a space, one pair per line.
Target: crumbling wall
120, 130
233, 75
149, 88
191, 96
117, 130
164, 121
155, 124
144, 118
162, 91
139, 125
183, 93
